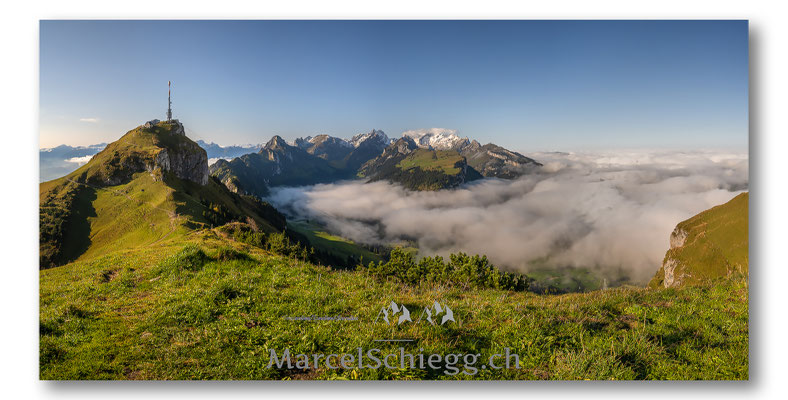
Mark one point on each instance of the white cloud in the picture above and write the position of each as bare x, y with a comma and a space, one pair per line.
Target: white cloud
213, 160
607, 210
80, 160
91, 120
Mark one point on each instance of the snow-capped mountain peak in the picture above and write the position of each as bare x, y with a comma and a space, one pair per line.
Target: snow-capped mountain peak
436, 138
375, 134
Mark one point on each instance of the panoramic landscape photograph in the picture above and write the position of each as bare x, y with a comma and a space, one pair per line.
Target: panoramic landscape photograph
393, 200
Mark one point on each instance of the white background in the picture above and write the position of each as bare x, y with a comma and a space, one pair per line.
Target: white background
19, 218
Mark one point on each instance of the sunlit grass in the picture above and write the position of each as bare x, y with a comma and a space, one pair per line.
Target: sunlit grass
165, 312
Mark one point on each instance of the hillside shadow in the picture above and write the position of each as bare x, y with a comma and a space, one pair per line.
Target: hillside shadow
76, 240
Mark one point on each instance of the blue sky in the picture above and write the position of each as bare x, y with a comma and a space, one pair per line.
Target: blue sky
526, 85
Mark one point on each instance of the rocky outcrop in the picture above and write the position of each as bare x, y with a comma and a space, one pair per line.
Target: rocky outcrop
183, 163
677, 238
178, 154
231, 183
155, 148
671, 276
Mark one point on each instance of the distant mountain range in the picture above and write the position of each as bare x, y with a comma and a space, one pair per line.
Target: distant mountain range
62, 160
216, 152
306, 161
428, 159
58, 161
419, 160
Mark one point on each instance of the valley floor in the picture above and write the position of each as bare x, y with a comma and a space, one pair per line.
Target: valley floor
160, 312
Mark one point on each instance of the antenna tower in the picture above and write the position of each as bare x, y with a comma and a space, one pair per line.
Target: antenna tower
169, 102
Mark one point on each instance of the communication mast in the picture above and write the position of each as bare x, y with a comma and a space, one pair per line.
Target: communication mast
169, 102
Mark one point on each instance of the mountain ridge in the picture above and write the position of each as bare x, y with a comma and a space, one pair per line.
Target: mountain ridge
304, 161
149, 186
445, 160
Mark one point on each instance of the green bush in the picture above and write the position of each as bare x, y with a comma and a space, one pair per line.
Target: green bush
461, 270
244, 233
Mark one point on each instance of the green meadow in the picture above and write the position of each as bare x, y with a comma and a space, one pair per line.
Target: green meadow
432, 160
205, 307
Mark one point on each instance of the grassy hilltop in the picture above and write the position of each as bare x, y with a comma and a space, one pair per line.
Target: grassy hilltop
422, 169
123, 199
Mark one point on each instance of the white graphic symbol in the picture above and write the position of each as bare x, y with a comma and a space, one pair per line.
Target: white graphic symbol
392, 310
435, 311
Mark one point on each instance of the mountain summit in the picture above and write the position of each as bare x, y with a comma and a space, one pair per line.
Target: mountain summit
437, 139
149, 186
155, 146
375, 135
276, 143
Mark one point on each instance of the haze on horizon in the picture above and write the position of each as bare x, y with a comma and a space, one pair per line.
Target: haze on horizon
525, 85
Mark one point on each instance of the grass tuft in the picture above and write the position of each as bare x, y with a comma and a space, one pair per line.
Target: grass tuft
190, 258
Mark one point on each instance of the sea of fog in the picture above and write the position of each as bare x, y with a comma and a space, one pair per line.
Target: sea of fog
596, 210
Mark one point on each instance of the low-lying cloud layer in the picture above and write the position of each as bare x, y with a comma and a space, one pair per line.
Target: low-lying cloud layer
80, 160
213, 160
607, 210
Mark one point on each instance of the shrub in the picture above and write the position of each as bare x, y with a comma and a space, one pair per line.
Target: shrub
461, 270
280, 243
244, 233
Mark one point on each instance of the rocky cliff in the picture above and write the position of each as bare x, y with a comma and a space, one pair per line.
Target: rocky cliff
155, 148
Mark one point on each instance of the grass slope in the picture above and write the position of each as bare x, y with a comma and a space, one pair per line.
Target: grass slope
157, 312
716, 245
422, 169
445, 161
